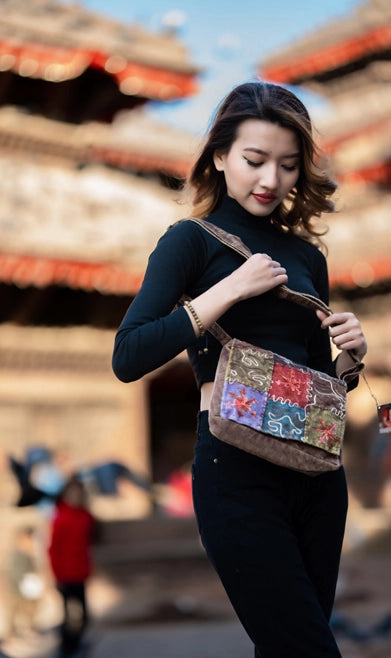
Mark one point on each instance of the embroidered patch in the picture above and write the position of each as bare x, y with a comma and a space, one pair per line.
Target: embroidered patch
284, 420
273, 395
323, 430
290, 384
243, 404
327, 393
251, 367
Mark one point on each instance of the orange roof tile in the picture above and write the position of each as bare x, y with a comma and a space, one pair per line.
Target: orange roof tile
332, 56
39, 272
24, 271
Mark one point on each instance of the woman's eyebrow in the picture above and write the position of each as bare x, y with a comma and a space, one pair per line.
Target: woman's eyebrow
253, 149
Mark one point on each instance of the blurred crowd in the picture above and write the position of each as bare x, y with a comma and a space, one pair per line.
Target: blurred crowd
52, 554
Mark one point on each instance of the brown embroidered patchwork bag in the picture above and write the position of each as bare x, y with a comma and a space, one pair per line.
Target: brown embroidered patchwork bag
265, 404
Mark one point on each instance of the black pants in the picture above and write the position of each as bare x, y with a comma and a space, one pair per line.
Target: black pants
274, 537
75, 615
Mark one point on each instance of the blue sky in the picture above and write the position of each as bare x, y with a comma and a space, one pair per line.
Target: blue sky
227, 39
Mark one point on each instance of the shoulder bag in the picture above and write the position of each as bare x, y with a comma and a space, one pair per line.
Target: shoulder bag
271, 407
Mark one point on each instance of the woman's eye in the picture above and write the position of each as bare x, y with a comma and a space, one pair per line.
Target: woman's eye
253, 164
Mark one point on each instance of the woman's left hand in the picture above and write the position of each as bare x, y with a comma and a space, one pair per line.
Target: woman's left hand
345, 331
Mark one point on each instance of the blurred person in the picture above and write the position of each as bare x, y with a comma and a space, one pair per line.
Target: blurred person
70, 546
176, 497
25, 583
274, 535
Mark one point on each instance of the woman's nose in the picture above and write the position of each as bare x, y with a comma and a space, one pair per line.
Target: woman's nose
269, 176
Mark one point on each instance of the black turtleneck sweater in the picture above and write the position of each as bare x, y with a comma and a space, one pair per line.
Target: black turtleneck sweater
189, 260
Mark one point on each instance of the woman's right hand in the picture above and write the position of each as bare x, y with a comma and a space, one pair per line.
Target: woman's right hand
257, 275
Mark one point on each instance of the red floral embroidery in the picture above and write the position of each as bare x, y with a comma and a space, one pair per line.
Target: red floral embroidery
327, 433
242, 403
290, 384
289, 381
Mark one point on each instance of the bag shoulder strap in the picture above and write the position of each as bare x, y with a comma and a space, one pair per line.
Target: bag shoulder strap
282, 291
235, 243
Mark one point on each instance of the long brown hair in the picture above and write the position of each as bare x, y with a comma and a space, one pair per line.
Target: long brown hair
276, 104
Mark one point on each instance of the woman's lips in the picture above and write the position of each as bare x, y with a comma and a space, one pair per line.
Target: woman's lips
264, 198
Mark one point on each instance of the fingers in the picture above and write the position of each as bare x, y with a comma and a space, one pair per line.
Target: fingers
277, 270
272, 266
322, 316
345, 331
339, 323
273, 263
258, 274
277, 273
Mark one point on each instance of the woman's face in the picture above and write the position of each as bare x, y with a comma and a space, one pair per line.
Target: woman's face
261, 167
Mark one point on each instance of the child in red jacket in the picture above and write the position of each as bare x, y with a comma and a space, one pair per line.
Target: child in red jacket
70, 559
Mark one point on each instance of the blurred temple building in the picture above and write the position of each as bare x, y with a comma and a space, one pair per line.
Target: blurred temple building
348, 63
88, 182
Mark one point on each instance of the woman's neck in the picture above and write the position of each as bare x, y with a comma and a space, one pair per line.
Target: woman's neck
233, 213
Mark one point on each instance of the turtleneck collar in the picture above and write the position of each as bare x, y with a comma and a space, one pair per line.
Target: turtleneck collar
230, 212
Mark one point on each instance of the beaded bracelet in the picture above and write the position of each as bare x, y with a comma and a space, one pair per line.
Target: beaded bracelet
196, 318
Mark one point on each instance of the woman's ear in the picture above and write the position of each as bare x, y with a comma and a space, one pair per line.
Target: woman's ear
218, 159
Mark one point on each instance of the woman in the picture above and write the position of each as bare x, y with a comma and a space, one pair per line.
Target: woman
273, 535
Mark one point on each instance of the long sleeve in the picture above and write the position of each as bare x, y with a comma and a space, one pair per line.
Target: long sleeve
151, 333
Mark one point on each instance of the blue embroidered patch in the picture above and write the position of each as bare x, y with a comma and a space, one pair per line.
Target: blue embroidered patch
243, 404
284, 420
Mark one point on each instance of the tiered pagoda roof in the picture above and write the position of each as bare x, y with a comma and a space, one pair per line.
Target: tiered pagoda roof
82, 195
339, 47
56, 42
348, 62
